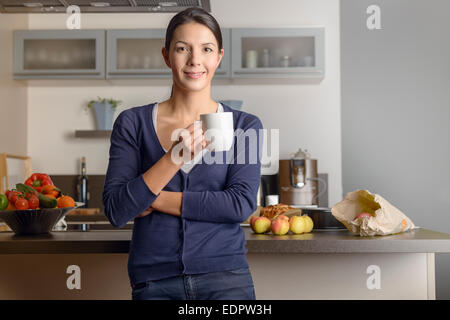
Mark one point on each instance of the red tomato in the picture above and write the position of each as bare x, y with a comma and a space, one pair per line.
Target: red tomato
33, 202
14, 195
10, 194
21, 204
7, 193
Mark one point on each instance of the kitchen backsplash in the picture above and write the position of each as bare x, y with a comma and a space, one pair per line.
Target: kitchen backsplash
68, 184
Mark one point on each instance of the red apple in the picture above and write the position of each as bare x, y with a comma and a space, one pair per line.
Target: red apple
282, 216
363, 215
280, 226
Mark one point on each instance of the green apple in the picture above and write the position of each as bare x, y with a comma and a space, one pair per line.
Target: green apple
309, 223
261, 225
297, 224
252, 220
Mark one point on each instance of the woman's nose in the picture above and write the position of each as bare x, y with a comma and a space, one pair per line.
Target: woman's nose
194, 57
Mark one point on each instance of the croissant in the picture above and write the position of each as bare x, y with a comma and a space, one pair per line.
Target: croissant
274, 211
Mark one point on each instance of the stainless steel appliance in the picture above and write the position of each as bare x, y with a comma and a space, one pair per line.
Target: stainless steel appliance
299, 180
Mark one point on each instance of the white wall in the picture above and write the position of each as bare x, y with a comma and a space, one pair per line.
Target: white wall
308, 115
13, 94
396, 82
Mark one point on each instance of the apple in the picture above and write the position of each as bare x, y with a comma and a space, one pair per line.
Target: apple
363, 215
261, 225
297, 224
252, 220
309, 223
282, 216
280, 226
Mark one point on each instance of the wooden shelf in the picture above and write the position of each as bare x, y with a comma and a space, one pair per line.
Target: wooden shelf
92, 133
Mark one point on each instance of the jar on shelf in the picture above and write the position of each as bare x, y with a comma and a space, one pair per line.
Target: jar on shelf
251, 60
285, 61
265, 58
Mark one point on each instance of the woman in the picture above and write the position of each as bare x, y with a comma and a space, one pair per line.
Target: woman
187, 241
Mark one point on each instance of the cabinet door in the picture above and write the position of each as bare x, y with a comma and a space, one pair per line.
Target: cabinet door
136, 53
59, 54
278, 53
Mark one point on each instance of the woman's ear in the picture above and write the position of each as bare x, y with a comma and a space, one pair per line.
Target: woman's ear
220, 57
166, 57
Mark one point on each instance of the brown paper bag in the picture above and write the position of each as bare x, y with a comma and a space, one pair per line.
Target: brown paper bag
386, 219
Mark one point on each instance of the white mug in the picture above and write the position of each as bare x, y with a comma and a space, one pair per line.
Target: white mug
219, 129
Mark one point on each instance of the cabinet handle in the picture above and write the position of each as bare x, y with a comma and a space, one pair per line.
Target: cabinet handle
139, 73
54, 73
277, 71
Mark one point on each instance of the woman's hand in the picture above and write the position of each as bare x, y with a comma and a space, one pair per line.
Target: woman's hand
192, 140
145, 212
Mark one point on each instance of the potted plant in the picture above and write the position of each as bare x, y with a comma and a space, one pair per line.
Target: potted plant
104, 111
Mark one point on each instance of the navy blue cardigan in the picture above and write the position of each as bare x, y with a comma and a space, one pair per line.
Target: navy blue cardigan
216, 199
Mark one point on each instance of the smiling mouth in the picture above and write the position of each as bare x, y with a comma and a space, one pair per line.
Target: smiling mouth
194, 75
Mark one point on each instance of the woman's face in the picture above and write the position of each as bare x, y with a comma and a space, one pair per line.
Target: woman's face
193, 56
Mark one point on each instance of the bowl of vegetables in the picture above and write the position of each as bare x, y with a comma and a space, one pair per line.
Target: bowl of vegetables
27, 211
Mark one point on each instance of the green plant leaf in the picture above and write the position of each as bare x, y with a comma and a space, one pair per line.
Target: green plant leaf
114, 103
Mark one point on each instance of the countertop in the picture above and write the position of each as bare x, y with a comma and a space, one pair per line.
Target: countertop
338, 241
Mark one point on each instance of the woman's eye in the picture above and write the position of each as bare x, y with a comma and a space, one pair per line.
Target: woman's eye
208, 50
181, 49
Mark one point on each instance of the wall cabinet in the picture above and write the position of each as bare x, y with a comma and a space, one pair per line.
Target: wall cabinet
62, 54
135, 54
278, 53
268, 53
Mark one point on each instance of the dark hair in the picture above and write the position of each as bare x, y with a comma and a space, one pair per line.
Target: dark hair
193, 14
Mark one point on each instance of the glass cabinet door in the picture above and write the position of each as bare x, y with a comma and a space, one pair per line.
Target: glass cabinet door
59, 54
136, 53
133, 53
278, 53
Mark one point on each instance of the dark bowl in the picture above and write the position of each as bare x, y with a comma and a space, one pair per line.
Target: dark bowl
323, 218
34, 221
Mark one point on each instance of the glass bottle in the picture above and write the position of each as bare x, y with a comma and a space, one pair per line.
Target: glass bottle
82, 186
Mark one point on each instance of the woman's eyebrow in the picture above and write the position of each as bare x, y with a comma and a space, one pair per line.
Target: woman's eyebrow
202, 43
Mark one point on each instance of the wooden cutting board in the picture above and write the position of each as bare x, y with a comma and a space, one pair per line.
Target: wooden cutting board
84, 211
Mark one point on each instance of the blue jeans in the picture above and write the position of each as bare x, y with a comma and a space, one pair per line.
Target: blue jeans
224, 285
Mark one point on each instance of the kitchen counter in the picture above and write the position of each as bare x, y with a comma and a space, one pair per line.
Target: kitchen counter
319, 265
339, 241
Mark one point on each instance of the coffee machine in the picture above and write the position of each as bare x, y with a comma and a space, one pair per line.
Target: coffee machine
269, 186
299, 180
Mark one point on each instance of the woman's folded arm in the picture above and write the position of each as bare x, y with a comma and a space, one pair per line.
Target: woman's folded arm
238, 199
125, 194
